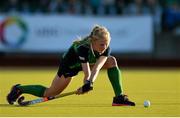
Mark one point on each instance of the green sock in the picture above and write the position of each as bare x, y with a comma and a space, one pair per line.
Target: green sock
114, 75
36, 90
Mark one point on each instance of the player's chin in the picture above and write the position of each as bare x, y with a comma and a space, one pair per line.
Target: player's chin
101, 52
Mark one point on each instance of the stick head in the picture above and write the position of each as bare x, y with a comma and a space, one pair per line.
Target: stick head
20, 101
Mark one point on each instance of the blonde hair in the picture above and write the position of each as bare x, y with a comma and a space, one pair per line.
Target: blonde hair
98, 33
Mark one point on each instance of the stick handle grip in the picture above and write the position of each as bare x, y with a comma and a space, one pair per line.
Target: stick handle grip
65, 94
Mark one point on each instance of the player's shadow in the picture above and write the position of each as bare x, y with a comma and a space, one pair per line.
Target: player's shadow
72, 105
8, 105
5, 105
52, 105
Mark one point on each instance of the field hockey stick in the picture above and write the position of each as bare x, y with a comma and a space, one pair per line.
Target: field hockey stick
21, 101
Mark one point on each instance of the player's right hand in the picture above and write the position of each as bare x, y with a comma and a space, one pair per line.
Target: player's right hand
85, 88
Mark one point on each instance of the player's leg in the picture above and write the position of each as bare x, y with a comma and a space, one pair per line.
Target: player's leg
114, 75
57, 86
115, 78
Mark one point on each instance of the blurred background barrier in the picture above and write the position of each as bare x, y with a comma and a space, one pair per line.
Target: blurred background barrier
37, 32
53, 34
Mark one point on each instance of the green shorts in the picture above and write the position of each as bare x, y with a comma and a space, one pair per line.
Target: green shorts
66, 71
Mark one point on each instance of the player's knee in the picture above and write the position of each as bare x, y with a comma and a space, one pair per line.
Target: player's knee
111, 61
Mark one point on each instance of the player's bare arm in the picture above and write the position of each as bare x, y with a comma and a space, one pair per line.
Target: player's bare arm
90, 76
86, 70
98, 65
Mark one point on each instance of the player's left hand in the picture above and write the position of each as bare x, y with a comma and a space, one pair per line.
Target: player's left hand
85, 88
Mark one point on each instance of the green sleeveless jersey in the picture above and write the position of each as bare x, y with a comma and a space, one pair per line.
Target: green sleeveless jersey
81, 52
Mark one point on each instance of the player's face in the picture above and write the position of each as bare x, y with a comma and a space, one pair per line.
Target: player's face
100, 45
